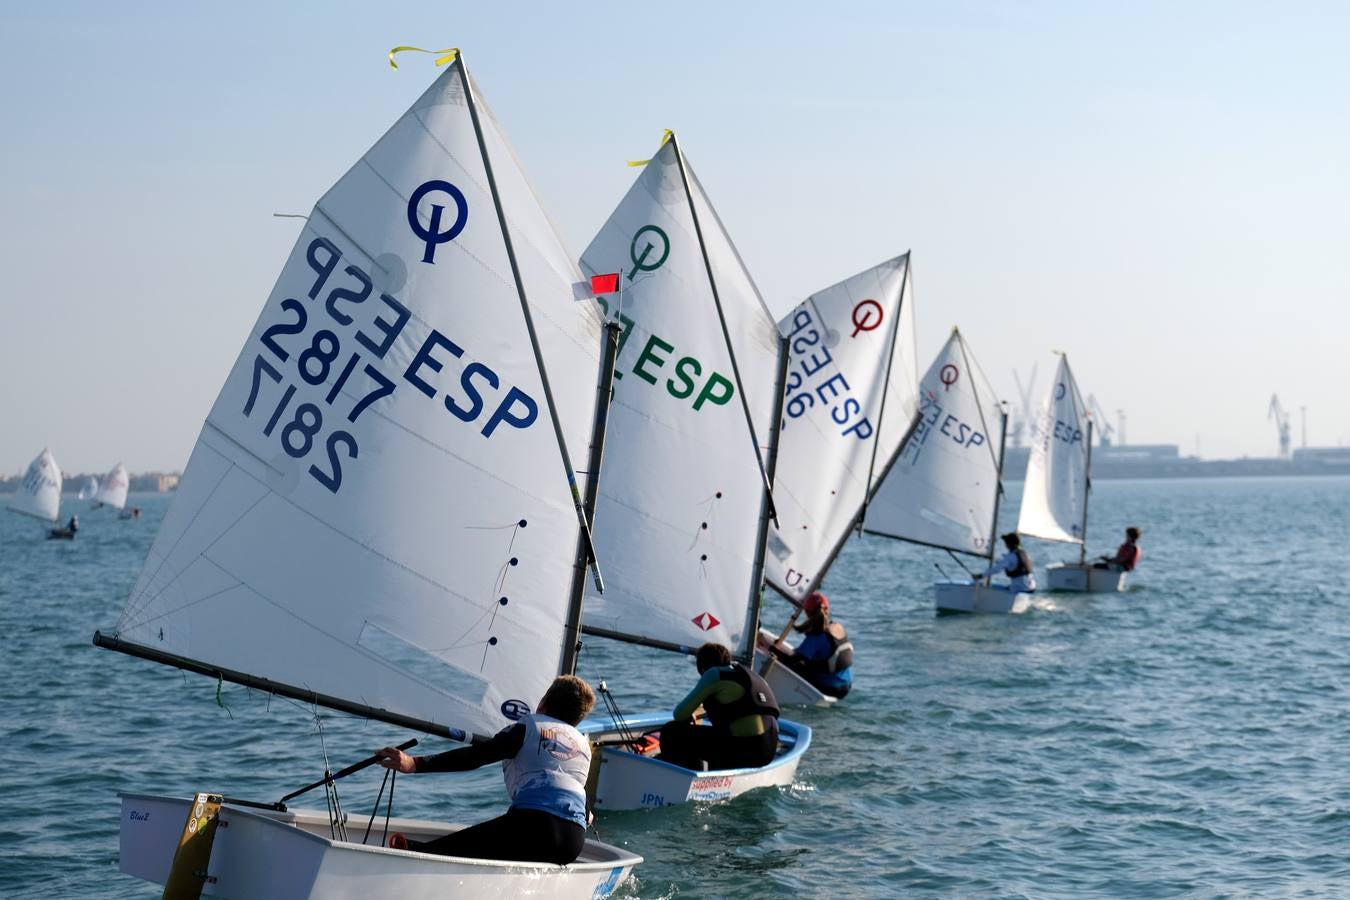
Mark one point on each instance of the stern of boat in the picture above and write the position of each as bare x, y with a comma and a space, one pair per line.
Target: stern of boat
627, 780
1075, 577
965, 597
789, 688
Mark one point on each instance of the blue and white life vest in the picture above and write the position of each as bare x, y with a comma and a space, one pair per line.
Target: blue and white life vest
549, 773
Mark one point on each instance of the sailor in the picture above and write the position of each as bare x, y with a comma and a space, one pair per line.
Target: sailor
825, 655
1016, 564
1127, 554
544, 760
742, 712
73, 525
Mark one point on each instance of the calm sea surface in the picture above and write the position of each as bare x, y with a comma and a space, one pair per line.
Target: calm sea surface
1188, 738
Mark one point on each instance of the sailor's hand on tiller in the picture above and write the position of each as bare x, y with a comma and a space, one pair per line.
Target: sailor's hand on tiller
396, 759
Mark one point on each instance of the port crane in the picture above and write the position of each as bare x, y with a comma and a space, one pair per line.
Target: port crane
1105, 431
1026, 412
1276, 411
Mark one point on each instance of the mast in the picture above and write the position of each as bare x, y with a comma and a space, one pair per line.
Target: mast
582, 518
881, 412
998, 492
747, 652
726, 334
1087, 494
609, 353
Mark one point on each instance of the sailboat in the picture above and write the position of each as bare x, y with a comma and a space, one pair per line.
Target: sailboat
113, 489
39, 494
1058, 482
852, 393
381, 515
90, 489
944, 488
685, 504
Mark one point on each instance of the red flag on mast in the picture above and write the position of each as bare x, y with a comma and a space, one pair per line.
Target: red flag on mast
605, 284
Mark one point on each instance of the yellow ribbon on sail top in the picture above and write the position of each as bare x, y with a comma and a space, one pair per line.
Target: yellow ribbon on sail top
667, 135
450, 54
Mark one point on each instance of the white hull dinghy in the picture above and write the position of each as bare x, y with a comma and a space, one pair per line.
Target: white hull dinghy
683, 552
943, 488
1082, 577
790, 688
289, 561
628, 780
965, 597
264, 854
1059, 484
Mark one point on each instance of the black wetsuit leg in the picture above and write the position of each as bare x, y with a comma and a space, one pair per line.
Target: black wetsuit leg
689, 745
527, 835
750, 752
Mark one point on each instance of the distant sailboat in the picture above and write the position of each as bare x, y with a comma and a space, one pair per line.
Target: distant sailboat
684, 505
943, 490
1058, 482
90, 489
852, 393
381, 514
39, 494
113, 489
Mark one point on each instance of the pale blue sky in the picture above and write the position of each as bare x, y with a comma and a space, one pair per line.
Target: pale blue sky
1159, 189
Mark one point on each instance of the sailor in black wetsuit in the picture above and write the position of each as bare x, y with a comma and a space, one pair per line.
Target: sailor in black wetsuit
545, 763
743, 712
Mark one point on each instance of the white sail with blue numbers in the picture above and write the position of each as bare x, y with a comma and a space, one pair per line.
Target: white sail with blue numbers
39, 494
379, 515
852, 389
679, 522
377, 509
1055, 492
942, 490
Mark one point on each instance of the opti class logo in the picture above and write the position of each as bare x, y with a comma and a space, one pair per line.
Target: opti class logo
432, 234
515, 710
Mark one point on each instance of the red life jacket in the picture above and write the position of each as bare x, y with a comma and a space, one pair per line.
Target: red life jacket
1128, 556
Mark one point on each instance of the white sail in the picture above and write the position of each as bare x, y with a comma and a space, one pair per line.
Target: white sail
90, 489
113, 490
677, 524
39, 494
942, 489
1055, 494
377, 508
852, 389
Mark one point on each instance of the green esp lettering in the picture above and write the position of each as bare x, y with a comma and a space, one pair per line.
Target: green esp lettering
685, 377
648, 355
718, 390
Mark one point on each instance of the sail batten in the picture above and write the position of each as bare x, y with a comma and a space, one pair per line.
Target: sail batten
378, 509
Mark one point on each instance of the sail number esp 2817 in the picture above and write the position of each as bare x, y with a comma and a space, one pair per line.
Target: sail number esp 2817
299, 421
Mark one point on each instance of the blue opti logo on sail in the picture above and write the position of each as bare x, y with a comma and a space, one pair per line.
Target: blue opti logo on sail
515, 710
432, 233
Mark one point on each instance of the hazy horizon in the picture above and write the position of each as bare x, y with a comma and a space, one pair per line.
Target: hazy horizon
1158, 190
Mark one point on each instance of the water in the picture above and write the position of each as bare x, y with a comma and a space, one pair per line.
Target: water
1185, 739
